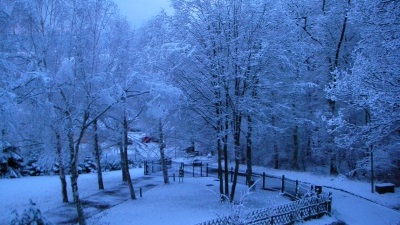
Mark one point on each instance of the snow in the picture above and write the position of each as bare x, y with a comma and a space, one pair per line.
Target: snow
138, 150
193, 201
190, 202
45, 191
353, 201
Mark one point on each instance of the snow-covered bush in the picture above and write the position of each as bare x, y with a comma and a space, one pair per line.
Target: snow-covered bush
32, 216
88, 166
32, 168
10, 162
111, 166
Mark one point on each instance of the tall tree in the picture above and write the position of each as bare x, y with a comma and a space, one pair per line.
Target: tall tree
368, 92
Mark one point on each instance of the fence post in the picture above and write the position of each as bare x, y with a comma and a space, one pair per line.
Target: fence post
193, 169
297, 189
330, 203
231, 174
263, 180
283, 183
201, 169
174, 176
140, 192
207, 170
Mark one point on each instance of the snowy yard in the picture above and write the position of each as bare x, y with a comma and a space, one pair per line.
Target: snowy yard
193, 201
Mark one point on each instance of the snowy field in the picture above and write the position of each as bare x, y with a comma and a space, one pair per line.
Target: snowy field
45, 191
195, 200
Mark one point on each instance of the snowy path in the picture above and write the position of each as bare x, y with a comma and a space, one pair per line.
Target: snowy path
356, 210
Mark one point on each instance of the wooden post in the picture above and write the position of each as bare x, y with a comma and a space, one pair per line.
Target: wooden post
207, 170
330, 203
201, 169
181, 174
297, 189
283, 183
140, 192
263, 180
174, 176
193, 169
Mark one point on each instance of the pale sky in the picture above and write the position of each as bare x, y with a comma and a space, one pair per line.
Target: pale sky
139, 11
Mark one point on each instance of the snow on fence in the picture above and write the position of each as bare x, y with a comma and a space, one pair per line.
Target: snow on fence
300, 210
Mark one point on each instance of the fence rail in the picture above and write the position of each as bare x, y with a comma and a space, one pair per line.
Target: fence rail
300, 210
292, 188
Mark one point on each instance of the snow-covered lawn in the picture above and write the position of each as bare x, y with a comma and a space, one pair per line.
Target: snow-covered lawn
196, 199
193, 201
353, 202
359, 188
45, 191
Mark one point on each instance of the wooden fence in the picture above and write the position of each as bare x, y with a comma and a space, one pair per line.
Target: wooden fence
300, 210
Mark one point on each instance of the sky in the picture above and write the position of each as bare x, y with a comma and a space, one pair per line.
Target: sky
139, 11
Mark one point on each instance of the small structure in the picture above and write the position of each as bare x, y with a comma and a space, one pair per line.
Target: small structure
384, 188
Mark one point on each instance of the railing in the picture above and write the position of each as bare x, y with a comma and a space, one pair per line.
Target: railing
292, 188
193, 169
300, 210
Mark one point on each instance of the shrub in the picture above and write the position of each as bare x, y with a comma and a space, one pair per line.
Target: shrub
10, 162
32, 215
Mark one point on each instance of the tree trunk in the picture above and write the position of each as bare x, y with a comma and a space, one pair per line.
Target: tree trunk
74, 177
61, 168
162, 154
219, 148
276, 149
226, 166
333, 161
221, 181
125, 153
97, 156
234, 182
276, 155
123, 161
238, 154
249, 152
296, 148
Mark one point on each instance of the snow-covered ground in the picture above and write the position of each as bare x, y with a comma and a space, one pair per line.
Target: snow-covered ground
190, 202
45, 191
196, 199
353, 201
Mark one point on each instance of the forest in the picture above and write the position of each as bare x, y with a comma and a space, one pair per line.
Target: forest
308, 85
